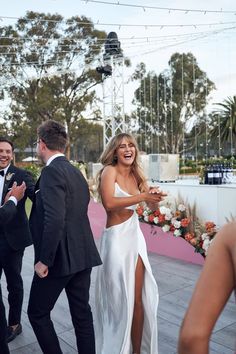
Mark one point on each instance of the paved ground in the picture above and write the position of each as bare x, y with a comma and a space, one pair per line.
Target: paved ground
175, 279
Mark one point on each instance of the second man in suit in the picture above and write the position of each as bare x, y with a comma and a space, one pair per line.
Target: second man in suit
14, 237
7, 212
65, 251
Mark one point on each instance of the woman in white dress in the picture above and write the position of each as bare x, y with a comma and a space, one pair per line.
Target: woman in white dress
127, 294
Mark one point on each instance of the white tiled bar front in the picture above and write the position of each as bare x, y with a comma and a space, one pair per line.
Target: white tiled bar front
214, 202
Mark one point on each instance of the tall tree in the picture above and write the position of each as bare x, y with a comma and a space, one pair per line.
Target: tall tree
169, 104
89, 143
48, 66
224, 121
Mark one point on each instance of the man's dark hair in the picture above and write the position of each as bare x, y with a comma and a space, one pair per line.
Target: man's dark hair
6, 140
53, 134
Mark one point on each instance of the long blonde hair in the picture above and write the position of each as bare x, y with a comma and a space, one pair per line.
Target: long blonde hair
109, 157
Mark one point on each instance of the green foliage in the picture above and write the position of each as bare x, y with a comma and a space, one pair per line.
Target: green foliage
166, 103
51, 73
34, 170
196, 167
188, 170
28, 206
88, 144
187, 163
224, 121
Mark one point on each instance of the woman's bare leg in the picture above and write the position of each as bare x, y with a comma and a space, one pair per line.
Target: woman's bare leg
138, 317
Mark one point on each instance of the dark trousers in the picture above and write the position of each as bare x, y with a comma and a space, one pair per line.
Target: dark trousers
3, 328
11, 264
43, 296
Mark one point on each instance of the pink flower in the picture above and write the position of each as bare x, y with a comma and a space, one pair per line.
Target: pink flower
140, 210
193, 242
161, 218
151, 218
185, 222
188, 237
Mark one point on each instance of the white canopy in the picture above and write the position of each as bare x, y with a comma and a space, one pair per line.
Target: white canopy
30, 159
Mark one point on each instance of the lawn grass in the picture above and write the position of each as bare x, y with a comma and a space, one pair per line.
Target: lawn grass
28, 206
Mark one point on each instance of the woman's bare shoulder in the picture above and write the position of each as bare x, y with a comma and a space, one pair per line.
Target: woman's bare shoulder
229, 229
228, 233
109, 172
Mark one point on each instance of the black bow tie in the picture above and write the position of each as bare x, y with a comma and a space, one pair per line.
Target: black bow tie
2, 173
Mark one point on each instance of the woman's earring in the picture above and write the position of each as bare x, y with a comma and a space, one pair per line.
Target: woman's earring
115, 158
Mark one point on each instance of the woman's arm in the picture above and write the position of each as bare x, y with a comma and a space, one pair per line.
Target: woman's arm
108, 179
211, 293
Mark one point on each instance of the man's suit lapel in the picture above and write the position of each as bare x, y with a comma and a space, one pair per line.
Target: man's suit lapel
37, 183
7, 181
36, 189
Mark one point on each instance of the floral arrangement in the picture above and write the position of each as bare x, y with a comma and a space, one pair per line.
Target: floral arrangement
9, 176
183, 222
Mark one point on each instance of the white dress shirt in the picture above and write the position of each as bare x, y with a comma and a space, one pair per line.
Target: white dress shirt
2, 179
53, 157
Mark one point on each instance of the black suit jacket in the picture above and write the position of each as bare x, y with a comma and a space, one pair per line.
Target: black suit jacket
59, 223
17, 232
7, 211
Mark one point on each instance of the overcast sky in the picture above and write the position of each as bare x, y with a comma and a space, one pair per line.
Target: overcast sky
144, 41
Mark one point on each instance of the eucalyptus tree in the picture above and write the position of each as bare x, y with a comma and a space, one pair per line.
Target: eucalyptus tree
169, 104
48, 71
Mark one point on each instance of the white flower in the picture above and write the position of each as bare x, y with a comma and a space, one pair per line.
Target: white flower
168, 216
173, 220
9, 176
205, 236
177, 233
164, 210
146, 218
145, 213
176, 224
206, 244
166, 228
181, 207
156, 220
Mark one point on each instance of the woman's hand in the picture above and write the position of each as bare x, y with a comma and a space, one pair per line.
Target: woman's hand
154, 190
154, 195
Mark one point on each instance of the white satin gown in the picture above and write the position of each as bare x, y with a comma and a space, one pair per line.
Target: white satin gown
114, 295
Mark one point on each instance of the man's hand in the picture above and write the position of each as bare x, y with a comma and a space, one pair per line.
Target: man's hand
41, 269
16, 191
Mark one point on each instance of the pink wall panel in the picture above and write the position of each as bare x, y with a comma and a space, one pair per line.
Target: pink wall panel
159, 242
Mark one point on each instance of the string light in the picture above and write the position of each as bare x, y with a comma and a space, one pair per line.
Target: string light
170, 45
99, 40
75, 50
183, 104
221, 11
151, 111
84, 23
142, 52
206, 120
158, 114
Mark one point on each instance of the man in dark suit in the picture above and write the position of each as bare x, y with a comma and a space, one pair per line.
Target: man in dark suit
7, 211
65, 251
14, 237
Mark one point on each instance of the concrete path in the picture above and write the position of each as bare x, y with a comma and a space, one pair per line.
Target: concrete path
175, 279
